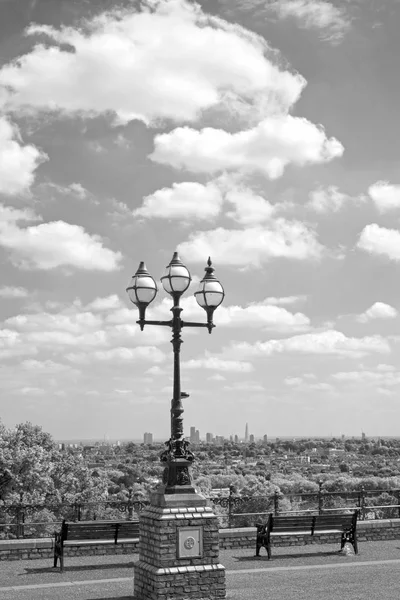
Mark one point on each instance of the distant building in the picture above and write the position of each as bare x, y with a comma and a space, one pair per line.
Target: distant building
265, 439
209, 438
148, 438
219, 440
251, 438
197, 436
236, 439
193, 435
246, 433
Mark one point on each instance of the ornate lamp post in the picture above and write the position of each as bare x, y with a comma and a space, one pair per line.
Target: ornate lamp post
210, 294
179, 539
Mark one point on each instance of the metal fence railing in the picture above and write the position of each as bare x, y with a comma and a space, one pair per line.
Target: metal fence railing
233, 510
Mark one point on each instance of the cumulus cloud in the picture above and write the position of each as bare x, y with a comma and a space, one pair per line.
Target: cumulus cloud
328, 199
225, 196
254, 246
267, 148
329, 342
386, 196
331, 21
183, 201
75, 190
139, 54
51, 245
119, 354
219, 364
379, 310
369, 377
285, 299
13, 292
249, 208
261, 315
81, 333
380, 241
18, 163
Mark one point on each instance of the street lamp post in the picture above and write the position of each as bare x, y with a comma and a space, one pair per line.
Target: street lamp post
210, 294
179, 538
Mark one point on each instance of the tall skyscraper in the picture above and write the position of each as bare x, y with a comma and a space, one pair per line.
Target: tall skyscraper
193, 435
209, 438
246, 433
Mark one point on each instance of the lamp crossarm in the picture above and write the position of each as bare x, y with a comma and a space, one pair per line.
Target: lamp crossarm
146, 322
194, 324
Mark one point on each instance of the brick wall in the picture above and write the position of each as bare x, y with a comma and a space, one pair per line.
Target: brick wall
388, 529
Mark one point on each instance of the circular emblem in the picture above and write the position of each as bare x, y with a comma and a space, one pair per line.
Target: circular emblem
189, 543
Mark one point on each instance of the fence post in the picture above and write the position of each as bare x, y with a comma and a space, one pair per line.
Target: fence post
130, 504
276, 502
18, 519
230, 505
362, 503
320, 482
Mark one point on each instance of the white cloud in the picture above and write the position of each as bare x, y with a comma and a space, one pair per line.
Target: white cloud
254, 246
267, 148
380, 241
183, 201
261, 315
285, 299
386, 196
18, 163
330, 20
12, 344
119, 355
107, 303
13, 292
249, 208
75, 190
216, 377
44, 366
293, 381
50, 245
32, 391
139, 55
79, 330
322, 343
369, 377
328, 199
244, 386
218, 364
379, 310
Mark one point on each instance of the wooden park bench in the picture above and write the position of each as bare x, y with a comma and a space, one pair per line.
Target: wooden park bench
285, 525
85, 533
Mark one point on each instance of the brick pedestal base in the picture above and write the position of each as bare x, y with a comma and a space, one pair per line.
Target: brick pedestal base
178, 550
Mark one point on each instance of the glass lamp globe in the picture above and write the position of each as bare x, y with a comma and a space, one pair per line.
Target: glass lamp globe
176, 279
142, 290
210, 292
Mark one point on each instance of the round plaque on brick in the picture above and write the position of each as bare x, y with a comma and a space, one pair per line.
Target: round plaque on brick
189, 543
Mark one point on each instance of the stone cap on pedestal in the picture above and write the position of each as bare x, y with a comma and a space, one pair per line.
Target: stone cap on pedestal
161, 499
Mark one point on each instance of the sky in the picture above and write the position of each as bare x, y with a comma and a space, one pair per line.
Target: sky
264, 134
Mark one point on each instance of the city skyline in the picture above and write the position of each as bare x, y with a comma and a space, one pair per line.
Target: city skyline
270, 144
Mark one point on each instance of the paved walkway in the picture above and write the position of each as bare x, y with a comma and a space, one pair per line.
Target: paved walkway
302, 573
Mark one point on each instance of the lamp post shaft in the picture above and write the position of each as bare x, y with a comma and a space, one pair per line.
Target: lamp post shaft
176, 404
